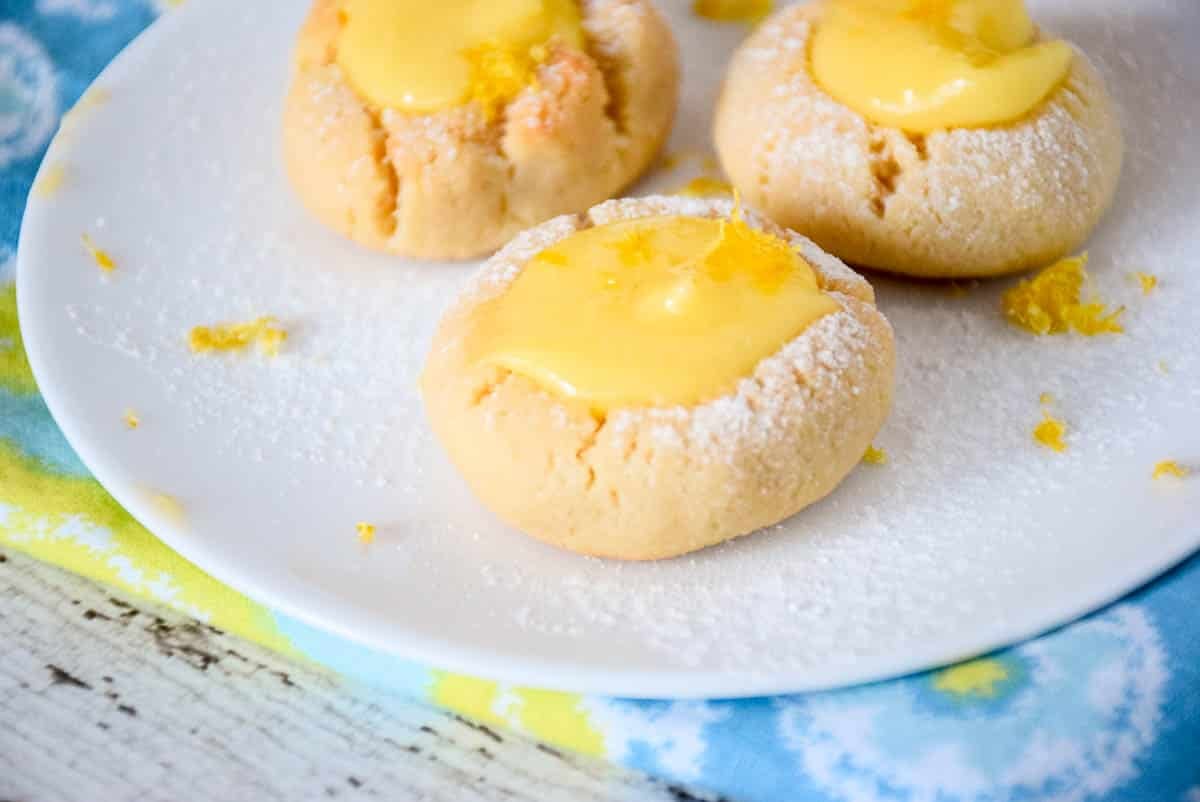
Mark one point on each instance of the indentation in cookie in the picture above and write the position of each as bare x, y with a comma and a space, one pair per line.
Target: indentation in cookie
603, 44
919, 145
389, 201
885, 170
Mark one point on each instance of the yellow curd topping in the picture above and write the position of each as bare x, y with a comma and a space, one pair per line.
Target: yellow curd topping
924, 65
422, 57
650, 312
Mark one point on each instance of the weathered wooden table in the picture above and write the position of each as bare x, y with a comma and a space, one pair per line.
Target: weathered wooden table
106, 698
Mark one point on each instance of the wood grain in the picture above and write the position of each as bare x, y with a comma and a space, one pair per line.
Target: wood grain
103, 697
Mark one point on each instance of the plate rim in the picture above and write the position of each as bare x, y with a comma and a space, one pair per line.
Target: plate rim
364, 628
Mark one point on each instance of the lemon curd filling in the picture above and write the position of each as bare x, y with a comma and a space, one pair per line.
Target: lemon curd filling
656, 311
421, 57
924, 65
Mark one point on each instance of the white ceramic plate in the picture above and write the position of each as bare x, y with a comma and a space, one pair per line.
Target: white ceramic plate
970, 538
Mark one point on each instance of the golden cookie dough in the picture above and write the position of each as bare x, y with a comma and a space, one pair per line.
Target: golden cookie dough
654, 482
950, 203
459, 182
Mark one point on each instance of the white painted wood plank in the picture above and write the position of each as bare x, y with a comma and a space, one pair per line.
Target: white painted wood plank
104, 697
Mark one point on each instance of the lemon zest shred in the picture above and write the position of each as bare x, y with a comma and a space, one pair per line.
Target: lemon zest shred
875, 456
1049, 302
1148, 282
236, 336
1169, 467
738, 245
100, 256
499, 71
1046, 398
131, 419
50, 181
1050, 431
634, 248
366, 532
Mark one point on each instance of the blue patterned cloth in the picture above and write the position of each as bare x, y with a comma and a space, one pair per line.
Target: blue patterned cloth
1105, 709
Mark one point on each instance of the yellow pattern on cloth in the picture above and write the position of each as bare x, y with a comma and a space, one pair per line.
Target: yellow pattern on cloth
557, 718
977, 678
72, 522
15, 375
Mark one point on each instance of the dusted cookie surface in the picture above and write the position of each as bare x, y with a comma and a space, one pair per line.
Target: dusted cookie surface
923, 201
546, 118
652, 481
